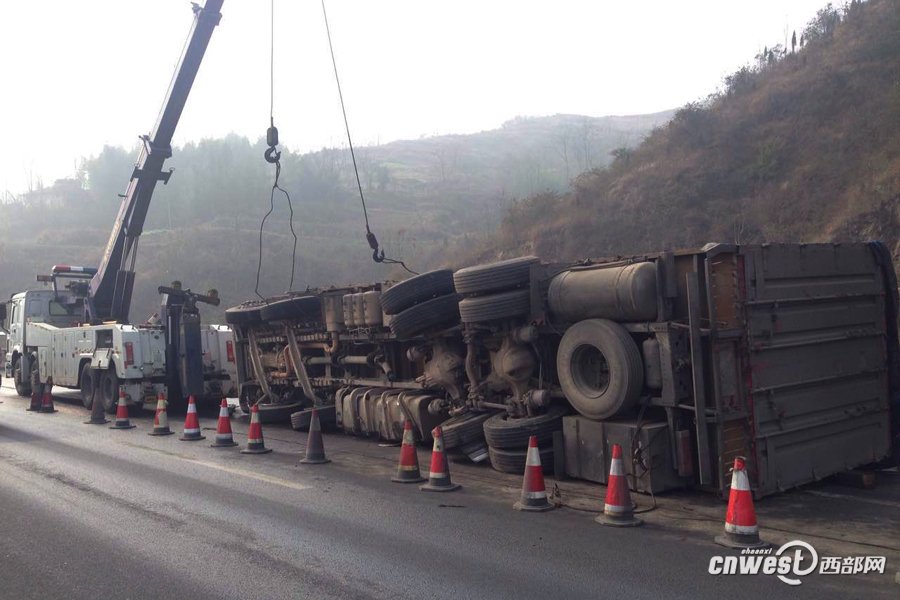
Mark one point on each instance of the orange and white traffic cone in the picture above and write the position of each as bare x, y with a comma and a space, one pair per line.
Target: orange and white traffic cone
36, 398
161, 418
741, 530
315, 446
47, 399
618, 510
255, 442
408, 469
439, 473
534, 494
224, 438
191, 431
122, 421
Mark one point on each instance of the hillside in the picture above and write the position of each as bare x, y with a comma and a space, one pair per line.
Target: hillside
798, 146
203, 227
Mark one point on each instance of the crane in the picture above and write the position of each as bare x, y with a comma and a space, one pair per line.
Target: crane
110, 288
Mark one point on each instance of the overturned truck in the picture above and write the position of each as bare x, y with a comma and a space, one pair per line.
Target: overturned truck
786, 354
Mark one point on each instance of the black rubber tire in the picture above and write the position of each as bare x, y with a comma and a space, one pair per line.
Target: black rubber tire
504, 433
87, 385
244, 314
109, 389
300, 419
494, 277
463, 429
505, 305
439, 312
23, 388
417, 289
301, 308
270, 414
577, 370
513, 461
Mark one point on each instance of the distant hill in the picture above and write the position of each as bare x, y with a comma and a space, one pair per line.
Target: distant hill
203, 227
801, 145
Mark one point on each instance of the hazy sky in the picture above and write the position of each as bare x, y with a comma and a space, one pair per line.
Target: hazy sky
78, 74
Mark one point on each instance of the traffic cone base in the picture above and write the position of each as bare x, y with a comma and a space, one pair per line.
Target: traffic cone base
36, 395
741, 530
534, 494
191, 431
439, 473
619, 521
98, 413
122, 421
408, 468
315, 447
47, 398
224, 437
255, 442
618, 510
161, 419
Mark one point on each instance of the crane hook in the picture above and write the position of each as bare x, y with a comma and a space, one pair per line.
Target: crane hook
273, 155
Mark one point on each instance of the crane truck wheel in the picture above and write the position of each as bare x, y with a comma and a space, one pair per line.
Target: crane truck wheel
109, 389
87, 385
600, 368
23, 386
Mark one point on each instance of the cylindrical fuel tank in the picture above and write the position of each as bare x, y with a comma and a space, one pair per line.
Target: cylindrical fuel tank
347, 304
372, 308
334, 312
618, 293
359, 310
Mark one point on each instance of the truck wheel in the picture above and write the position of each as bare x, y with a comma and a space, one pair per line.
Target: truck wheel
464, 429
87, 385
599, 368
504, 433
513, 461
443, 311
302, 308
417, 289
244, 314
23, 387
109, 389
494, 277
504, 305
277, 413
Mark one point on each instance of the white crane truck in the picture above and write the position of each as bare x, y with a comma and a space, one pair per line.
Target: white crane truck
76, 330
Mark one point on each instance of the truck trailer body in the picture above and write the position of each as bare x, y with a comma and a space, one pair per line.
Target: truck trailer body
785, 354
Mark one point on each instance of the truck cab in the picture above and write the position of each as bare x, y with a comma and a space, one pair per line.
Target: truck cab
32, 307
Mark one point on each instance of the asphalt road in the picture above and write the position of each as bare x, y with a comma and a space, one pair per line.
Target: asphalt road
88, 512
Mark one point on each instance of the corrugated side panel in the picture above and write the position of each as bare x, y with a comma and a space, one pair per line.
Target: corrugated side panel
817, 360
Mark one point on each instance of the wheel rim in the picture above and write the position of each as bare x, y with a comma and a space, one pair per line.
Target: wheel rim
590, 370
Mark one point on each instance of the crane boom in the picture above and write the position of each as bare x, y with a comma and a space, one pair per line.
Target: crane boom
109, 293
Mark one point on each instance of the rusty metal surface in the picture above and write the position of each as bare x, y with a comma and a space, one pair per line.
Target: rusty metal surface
815, 324
645, 446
